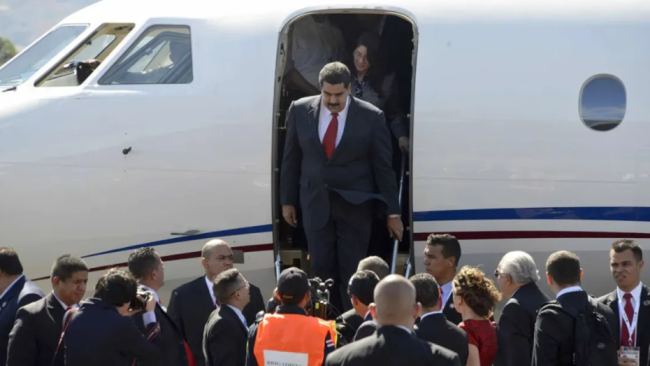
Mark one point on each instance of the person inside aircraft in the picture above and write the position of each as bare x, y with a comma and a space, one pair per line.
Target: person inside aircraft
371, 84
178, 50
316, 42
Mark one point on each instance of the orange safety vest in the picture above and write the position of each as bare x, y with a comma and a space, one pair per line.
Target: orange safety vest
292, 339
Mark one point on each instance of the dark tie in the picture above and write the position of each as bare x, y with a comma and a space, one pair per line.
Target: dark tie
329, 140
629, 311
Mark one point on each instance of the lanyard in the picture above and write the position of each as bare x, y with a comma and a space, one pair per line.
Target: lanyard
630, 328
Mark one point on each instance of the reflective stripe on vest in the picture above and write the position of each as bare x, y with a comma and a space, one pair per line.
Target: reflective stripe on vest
292, 339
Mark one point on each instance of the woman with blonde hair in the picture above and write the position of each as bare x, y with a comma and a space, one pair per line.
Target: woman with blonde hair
475, 298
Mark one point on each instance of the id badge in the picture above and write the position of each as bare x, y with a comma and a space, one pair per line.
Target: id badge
631, 353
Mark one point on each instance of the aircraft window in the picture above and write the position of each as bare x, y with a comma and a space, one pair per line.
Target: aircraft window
162, 55
73, 70
23, 66
603, 103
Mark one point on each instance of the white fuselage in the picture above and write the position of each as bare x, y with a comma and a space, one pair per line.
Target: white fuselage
501, 157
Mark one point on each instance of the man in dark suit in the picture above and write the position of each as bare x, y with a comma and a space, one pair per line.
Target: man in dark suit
36, 332
338, 164
147, 267
102, 333
361, 289
191, 304
433, 326
632, 297
441, 256
554, 341
395, 310
350, 321
16, 292
517, 276
226, 333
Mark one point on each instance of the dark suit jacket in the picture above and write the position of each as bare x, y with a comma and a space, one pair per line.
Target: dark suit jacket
23, 292
435, 328
99, 336
360, 169
349, 322
33, 340
450, 312
643, 327
392, 346
224, 339
190, 307
367, 328
174, 353
516, 326
554, 341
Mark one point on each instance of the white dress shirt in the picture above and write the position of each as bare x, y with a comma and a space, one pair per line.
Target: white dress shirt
636, 302
240, 315
10, 286
211, 289
567, 290
446, 293
326, 118
63, 305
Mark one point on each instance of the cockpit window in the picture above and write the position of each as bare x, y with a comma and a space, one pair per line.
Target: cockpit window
79, 64
23, 66
162, 55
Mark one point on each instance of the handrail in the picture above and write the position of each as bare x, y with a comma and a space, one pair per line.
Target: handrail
393, 264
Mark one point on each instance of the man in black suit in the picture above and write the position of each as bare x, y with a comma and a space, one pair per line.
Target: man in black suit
441, 256
361, 289
433, 326
350, 321
102, 333
555, 329
517, 276
395, 310
626, 264
16, 292
191, 304
147, 267
36, 332
226, 333
338, 164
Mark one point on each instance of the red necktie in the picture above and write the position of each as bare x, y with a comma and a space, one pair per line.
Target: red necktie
68, 308
329, 140
629, 311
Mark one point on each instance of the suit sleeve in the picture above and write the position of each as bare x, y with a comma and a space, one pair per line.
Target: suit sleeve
146, 349
546, 342
220, 347
22, 349
365, 330
290, 172
174, 312
250, 348
513, 331
382, 165
28, 299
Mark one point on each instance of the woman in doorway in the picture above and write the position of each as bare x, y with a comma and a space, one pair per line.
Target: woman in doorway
475, 298
371, 84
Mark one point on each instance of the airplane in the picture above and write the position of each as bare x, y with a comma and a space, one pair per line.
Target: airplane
528, 119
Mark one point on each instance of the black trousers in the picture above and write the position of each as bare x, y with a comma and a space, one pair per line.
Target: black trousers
336, 249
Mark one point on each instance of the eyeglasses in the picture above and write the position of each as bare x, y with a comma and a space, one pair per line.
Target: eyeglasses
247, 285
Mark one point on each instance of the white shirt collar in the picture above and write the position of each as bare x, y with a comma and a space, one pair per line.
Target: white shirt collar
366, 316
636, 293
567, 290
211, 289
446, 293
430, 313
63, 305
240, 315
10, 286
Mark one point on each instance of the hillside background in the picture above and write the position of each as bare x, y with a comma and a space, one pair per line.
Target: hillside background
23, 21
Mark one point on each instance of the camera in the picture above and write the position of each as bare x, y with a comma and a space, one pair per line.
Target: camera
136, 304
319, 297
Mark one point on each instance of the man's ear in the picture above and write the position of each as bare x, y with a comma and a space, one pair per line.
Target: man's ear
373, 310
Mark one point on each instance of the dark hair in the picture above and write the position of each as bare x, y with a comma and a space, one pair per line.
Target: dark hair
449, 243
620, 246
142, 262
335, 73
225, 284
66, 266
362, 286
375, 264
9, 262
116, 287
427, 291
477, 291
375, 76
564, 268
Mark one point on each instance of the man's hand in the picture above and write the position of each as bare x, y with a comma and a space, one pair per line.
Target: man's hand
404, 143
151, 302
289, 214
395, 227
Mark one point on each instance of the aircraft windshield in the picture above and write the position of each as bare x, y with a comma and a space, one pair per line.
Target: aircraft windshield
29, 62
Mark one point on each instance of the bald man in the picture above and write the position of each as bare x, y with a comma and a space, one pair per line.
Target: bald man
191, 304
394, 343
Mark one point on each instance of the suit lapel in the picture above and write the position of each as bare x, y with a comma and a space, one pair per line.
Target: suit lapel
644, 318
204, 295
226, 311
314, 116
13, 292
55, 309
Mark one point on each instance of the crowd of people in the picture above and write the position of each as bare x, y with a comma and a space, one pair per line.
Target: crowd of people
220, 319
